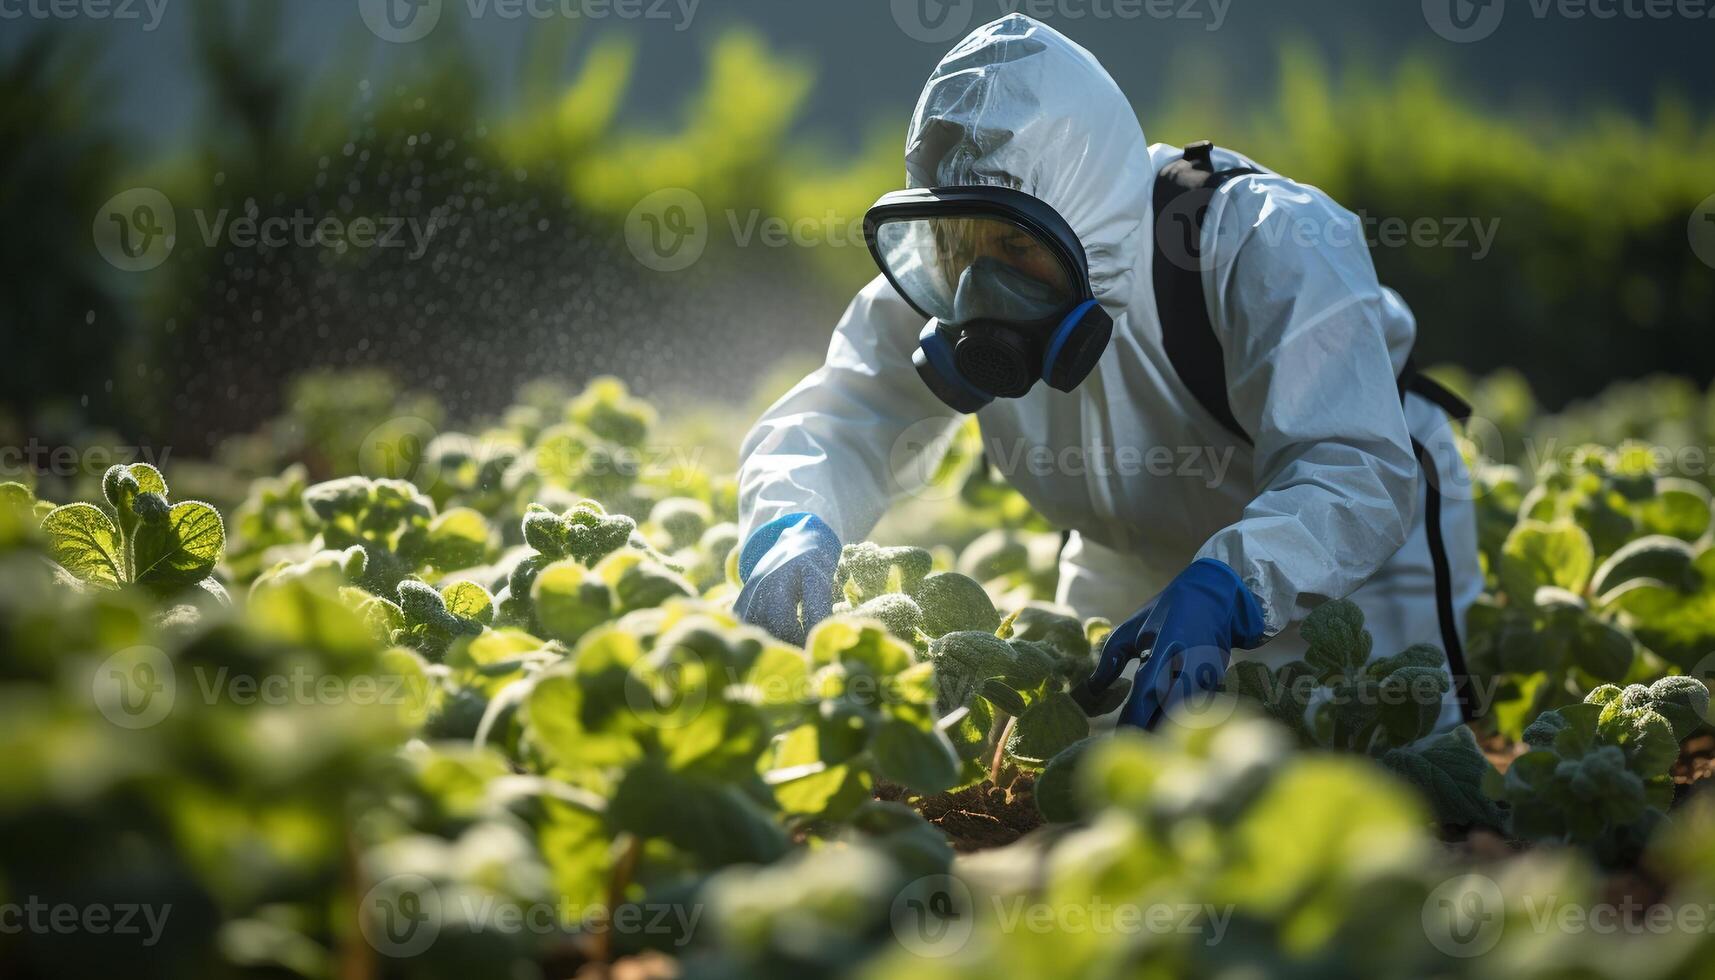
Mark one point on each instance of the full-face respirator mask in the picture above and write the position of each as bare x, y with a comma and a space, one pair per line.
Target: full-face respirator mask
1002, 281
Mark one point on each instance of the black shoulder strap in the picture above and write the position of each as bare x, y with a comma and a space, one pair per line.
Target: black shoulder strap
1183, 190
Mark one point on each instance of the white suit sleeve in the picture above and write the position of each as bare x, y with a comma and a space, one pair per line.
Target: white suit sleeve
1304, 326
841, 443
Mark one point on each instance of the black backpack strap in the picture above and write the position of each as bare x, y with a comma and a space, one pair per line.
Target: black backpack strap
1183, 190
1414, 382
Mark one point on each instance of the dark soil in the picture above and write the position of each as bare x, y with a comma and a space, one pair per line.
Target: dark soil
1500, 750
1696, 759
977, 817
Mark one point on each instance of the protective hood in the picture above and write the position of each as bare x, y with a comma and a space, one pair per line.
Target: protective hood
1017, 104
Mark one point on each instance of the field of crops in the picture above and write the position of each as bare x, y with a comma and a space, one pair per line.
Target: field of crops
402, 701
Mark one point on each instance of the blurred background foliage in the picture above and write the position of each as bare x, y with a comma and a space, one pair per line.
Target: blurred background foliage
521, 197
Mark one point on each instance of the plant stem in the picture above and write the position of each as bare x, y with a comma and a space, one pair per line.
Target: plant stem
631, 850
1000, 746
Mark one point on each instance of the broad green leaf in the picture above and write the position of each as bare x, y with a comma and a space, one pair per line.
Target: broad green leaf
468, 600
1680, 508
570, 600
382, 616
1450, 771
951, 602
181, 550
867, 570
16, 497
1339, 644
1055, 628
578, 851
778, 680
804, 784
923, 761
1049, 726
896, 611
1003, 697
1539, 553
1602, 650
85, 543
457, 539
575, 727
647, 583
1057, 786
1679, 627
1667, 560
1643, 734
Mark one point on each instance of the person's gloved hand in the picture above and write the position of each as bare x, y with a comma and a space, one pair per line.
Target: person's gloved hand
1191, 628
787, 567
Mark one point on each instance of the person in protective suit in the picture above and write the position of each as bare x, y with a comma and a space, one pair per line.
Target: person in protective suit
1243, 323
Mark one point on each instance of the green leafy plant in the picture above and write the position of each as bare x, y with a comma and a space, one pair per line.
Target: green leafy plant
1340, 697
1011, 690
139, 538
1597, 771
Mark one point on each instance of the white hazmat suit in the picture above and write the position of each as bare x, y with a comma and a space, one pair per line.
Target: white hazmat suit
1329, 502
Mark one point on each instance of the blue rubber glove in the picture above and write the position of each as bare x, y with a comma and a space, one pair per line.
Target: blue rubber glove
787, 567
1191, 629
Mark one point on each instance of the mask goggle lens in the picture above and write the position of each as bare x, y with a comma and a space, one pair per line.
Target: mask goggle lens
960, 268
